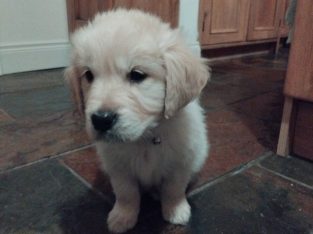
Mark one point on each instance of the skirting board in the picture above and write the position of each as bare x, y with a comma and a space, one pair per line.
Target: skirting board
15, 59
20, 58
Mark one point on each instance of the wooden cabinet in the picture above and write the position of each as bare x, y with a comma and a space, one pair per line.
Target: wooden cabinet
223, 21
80, 11
166, 9
264, 19
231, 22
296, 135
299, 81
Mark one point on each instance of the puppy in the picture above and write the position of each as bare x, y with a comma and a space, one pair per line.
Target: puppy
137, 84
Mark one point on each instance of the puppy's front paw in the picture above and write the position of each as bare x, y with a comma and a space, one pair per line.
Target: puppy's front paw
120, 219
178, 213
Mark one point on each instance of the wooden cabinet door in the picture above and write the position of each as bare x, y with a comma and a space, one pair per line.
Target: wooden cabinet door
264, 19
165, 9
80, 11
223, 21
299, 81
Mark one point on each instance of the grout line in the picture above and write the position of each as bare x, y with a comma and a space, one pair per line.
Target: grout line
286, 177
264, 68
228, 58
86, 183
228, 105
232, 173
253, 96
47, 158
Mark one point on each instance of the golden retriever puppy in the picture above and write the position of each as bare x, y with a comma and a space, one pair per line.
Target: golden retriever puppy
137, 84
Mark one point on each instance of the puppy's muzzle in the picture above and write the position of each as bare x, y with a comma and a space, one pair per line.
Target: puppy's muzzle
103, 121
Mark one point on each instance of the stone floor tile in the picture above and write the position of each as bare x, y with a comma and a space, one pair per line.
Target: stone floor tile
36, 103
235, 140
292, 167
217, 95
254, 72
239, 85
47, 198
5, 117
87, 164
32, 139
252, 202
267, 107
31, 80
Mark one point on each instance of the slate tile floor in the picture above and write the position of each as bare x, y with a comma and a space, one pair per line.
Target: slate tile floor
51, 180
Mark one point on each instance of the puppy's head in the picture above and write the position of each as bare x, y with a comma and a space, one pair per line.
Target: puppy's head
128, 71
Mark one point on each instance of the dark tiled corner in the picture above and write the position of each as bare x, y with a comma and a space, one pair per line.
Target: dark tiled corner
292, 167
253, 202
47, 198
32, 139
86, 163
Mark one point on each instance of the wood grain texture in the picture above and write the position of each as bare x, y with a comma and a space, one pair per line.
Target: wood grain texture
303, 136
222, 21
81, 11
299, 81
265, 16
71, 15
285, 134
165, 9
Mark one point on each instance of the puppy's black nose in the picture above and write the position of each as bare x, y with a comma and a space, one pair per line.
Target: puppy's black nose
103, 120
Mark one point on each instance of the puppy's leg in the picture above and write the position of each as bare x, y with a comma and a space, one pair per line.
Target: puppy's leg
124, 214
175, 207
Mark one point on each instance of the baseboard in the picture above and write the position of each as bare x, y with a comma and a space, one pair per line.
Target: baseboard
21, 58
29, 57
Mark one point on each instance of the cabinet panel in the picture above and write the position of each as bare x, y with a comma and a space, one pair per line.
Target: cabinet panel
166, 9
299, 81
80, 11
223, 21
86, 9
264, 19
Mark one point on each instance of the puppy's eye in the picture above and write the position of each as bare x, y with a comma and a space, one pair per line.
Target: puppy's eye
89, 76
137, 76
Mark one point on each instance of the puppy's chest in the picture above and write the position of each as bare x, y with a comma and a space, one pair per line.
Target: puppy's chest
150, 165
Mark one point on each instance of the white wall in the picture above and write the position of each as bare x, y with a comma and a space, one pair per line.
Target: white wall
188, 22
34, 33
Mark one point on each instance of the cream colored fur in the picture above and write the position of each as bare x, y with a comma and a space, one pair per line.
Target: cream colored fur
163, 106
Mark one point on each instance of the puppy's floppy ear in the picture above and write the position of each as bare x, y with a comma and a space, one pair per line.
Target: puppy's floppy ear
186, 76
73, 78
